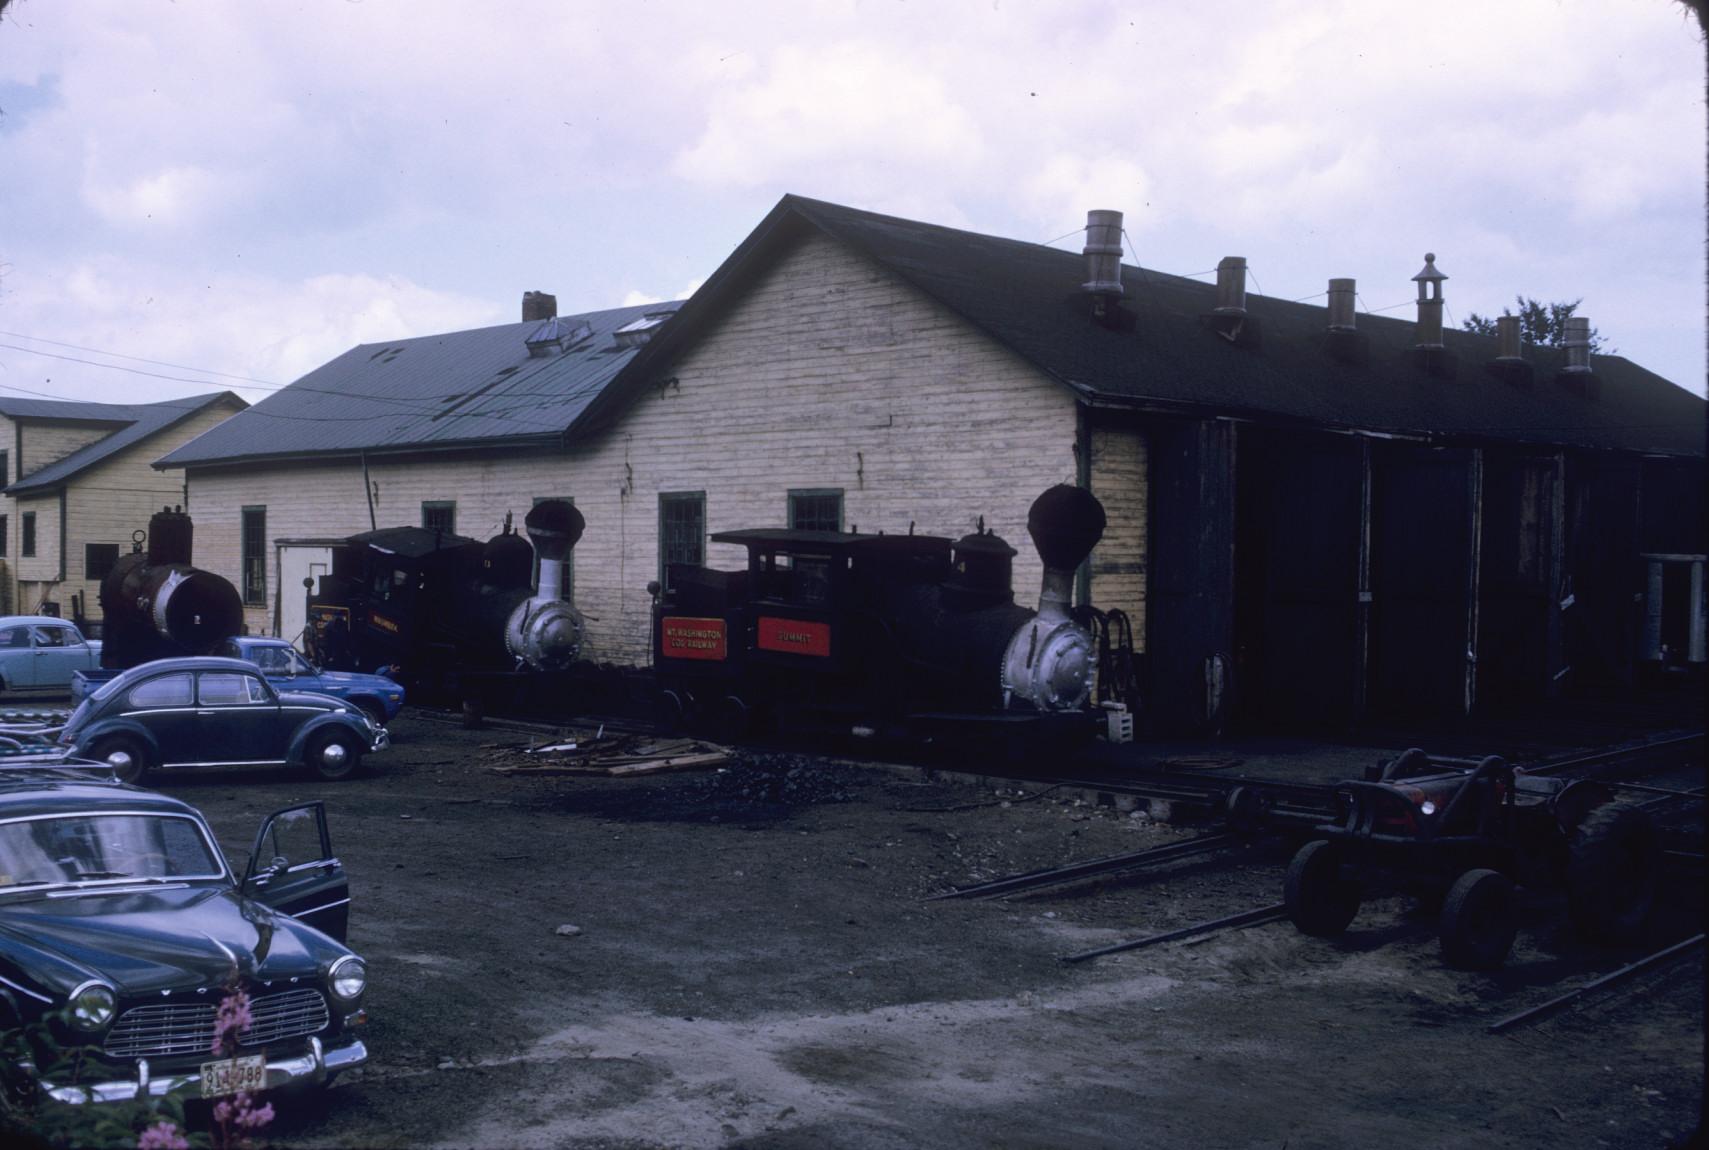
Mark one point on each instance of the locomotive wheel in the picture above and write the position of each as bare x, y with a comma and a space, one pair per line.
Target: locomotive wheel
334, 755
1320, 900
127, 757
1478, 925
673, 709
733, 721
1613, 865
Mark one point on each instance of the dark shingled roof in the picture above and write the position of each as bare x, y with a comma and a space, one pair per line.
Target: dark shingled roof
1026, 297
133, 423
461, 389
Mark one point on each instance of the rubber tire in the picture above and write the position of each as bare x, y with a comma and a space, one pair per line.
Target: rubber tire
127, 745
1320, 900
315, 755
1478, 920
1613, 870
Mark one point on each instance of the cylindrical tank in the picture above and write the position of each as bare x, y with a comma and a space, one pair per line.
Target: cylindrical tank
158, 610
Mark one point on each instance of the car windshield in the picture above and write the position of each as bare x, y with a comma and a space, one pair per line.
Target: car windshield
62, 850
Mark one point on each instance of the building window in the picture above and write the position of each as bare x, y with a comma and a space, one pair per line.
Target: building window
27, 548
5, 469
816, 509
98, 559
569, 561
440, 515
682, 530
5, 534
254, 560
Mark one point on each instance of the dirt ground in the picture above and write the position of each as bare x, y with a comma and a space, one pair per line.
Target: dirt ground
745, 958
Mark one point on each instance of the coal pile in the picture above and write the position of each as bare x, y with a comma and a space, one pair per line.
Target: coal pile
754, 787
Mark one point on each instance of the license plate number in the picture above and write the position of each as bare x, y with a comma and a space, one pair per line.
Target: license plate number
231, 1075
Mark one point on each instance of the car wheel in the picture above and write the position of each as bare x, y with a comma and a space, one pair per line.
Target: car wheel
334, 754
127, 756
1613, 865
1478, 924
1320, 900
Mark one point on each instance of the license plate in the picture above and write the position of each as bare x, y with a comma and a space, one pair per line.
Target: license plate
230, 1075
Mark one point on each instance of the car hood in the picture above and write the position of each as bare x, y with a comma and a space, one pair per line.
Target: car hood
151, 941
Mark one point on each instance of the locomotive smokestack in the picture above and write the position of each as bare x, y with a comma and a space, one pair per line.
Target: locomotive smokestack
1065, 523
554, 527
546, 632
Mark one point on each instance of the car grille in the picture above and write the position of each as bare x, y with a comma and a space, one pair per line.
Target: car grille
156, 1031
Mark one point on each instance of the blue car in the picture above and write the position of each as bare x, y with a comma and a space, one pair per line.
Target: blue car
39, 654
377, 696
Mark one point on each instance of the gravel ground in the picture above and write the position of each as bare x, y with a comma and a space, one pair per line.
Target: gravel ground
744, 957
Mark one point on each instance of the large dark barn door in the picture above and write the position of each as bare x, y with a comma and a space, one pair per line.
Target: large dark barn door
1297, 557
1600, 619
1520, 584
1189, 617
1424, 540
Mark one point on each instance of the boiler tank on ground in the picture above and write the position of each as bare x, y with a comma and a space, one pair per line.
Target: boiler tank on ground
155, 605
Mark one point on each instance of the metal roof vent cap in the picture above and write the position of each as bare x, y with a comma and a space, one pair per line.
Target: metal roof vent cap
1429, 281
1577, 343
639, 331
1341, 297
1103, 252
1231, 286
1508, 339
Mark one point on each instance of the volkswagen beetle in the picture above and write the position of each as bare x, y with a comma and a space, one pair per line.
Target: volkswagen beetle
208, 711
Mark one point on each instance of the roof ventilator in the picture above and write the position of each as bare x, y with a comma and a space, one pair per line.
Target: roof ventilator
1228, 318
1427, 346
1343, 340
1577, 376
1510, 364
556, 336
1103, 252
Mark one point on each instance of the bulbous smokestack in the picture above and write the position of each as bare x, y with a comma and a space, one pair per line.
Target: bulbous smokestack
546, 632
1065, 523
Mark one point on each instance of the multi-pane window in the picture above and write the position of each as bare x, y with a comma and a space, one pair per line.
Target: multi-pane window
27, 547
569, 591
98, 559
5, 468
254, 555
816, 509
440, 515
5, 534
682, 530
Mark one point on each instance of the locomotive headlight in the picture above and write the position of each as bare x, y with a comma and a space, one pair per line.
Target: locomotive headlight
1428, 807
92, 1005
349, 977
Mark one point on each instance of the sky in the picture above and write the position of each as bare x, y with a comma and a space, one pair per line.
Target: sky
198, 195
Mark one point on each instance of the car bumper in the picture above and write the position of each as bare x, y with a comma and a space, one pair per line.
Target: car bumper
381, 740
311, 1069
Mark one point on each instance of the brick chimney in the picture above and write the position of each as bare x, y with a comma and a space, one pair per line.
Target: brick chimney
537, 305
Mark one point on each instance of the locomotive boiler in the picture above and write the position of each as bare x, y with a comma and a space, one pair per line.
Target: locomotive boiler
155, 605
853, 629
449, 616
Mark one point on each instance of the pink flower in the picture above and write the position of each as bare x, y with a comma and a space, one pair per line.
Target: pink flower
232, 1020
163, 1136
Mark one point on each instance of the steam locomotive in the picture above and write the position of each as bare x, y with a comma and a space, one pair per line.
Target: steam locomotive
906, 634
448, 616
155, 605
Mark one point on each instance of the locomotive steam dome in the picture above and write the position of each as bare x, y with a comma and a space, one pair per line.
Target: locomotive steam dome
546, 631
1050, 659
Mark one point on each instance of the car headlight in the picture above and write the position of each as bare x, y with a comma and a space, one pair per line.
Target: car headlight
349, 977
92, 1005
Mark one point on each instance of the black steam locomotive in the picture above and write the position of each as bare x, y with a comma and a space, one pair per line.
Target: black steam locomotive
911, 634
450, 617
154, 605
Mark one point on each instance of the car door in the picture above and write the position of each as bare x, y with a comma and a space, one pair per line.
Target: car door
165, 706
17, 659
237, 719
293, 870
59, 650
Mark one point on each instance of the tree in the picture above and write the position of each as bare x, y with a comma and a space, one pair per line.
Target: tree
1540, 323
